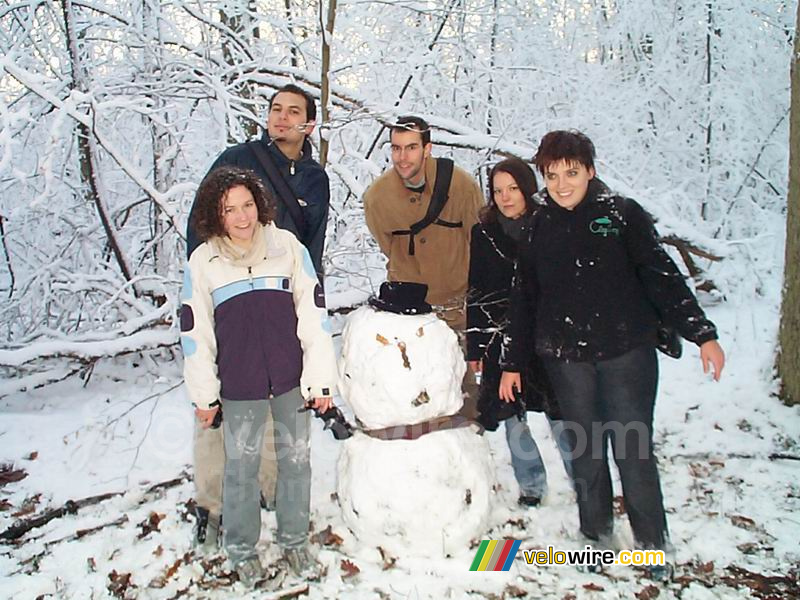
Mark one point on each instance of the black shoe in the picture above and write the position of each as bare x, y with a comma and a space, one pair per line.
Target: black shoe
206, 529
529, 501
660, 573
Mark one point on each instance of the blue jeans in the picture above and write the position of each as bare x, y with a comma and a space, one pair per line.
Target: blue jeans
526, 460
612, 402
244, 424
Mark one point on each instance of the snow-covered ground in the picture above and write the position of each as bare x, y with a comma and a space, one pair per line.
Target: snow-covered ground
729, 465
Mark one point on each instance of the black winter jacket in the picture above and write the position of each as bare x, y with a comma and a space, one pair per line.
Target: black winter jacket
491, 269
596, 281
308, 181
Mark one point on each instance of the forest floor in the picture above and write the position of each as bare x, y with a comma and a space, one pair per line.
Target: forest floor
119, 448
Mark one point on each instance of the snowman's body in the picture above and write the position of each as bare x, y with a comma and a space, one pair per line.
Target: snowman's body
428, 495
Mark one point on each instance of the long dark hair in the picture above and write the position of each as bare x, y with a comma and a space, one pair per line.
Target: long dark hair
207, 215
524, 177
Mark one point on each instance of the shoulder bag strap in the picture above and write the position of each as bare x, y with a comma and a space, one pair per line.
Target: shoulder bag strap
281, 187
444, 174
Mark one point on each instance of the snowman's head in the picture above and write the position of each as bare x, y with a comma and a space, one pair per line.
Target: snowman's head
399, 369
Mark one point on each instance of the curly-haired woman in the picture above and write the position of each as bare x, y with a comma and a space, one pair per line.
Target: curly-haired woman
255, 338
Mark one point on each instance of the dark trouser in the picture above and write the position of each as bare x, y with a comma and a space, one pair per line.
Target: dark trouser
455, 315
613, 400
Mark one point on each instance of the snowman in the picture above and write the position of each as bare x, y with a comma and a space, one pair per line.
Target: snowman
415, 477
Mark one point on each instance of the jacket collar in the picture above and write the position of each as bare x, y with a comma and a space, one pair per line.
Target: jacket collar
280, 157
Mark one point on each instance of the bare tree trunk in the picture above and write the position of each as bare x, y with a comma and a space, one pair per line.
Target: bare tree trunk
707, 157
163, 167
86, 150
290, 26
238, 17
789, 356
327, 38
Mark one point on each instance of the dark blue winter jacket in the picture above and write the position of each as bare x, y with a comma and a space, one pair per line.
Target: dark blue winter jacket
307, 179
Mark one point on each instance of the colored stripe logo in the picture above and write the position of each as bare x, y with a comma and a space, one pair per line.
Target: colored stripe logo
495, 555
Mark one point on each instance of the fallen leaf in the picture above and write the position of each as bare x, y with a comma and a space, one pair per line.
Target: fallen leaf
619, 505
32, 456
704, 567
403, 355
421, 399
349, 569
119, 583
150, 524
4, 505
28, 506
8, 474
718, 427
326, 537
569, 596
468, 497
420, 332
381, 339
513, 591
648, 593
388, 559
743, 522
90, 562
173, 569
158, 551
593, 587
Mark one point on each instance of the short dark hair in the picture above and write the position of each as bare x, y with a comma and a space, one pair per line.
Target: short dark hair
412, 123
207, 214
524, 177
571, 146
311, 107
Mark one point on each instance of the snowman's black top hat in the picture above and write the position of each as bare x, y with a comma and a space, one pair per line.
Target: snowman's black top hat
402, 298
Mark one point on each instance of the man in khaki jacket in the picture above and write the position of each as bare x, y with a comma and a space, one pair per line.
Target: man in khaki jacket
437, 256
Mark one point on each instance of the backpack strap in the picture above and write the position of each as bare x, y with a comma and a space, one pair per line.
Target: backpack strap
444, 174
281, 187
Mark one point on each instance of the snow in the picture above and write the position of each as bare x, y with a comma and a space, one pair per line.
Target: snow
432, 493
729, 503
399, 369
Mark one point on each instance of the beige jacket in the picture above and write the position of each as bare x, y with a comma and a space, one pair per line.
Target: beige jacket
441, 258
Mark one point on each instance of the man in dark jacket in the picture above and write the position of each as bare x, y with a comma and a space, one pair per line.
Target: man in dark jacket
291, 119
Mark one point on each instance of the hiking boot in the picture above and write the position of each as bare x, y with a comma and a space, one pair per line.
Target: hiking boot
250, 572
661, 573
302, 564
529, 501
206, 529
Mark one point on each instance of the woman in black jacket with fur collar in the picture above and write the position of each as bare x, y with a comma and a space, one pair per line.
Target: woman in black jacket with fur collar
493, 252
594, 277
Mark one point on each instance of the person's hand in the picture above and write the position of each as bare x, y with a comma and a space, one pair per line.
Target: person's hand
476, 366
711, 352
206, 417
508, 383
322, 404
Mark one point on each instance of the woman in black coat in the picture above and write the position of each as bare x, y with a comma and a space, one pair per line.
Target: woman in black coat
594, 277
493, 251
